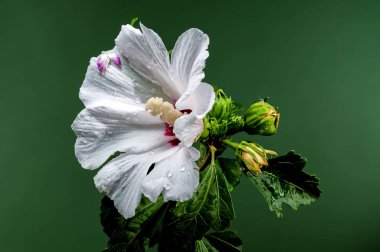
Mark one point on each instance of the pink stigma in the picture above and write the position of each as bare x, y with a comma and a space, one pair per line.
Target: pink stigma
116, 59
101, 65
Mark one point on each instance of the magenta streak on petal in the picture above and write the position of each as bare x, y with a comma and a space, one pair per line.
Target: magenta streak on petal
116, 59
174, 142
101, 65
168, 130
187, 111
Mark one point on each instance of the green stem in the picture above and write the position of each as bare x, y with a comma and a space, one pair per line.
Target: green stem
231, 144
213, 150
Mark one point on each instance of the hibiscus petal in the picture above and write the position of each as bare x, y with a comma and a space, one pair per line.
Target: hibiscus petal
147, 55
194, 153
117, 83
187, 128
121, 178
188, 60
200, 101
104, 130
175, 176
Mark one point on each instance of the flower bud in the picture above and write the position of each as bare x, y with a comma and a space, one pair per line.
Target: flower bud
261, 118
254, 158
222, 106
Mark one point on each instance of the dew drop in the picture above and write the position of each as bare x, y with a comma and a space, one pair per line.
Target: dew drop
167, 188
182, 169
169, 174
133, 149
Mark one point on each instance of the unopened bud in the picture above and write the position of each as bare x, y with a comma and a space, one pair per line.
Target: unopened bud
261, 118
254, 157
222, 105
254, 160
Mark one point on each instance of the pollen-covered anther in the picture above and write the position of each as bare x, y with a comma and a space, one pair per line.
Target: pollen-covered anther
157, 106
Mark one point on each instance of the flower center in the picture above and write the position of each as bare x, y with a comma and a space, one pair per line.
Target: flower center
168, 114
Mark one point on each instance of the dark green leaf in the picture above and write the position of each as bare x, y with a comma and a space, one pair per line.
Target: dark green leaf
283, 181
232, 172
204, 246
130, 234
226, 241
210, 207
211, 203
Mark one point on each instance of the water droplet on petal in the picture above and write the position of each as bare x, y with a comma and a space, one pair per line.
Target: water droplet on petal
133, 149
182, 168
169, 174
167, 188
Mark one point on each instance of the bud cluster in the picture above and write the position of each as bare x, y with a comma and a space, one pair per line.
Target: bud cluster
228, 118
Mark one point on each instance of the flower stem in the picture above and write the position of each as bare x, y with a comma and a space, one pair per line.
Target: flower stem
213, 150
231, 144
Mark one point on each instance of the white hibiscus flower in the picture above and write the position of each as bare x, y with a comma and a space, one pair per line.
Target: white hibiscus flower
149, 108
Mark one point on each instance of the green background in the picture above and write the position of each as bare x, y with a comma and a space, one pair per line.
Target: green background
319, 61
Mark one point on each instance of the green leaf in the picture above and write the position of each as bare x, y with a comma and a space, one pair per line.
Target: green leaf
283, 181
210, 207
129, 234
232, 172
204, 246
227, 241
211, 203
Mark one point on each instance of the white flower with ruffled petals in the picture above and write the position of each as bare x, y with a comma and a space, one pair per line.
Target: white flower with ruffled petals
150, 109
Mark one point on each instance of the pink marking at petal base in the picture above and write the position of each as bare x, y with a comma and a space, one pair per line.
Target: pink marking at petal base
187, 111
116, 59
102, 66
174, 142
168, 130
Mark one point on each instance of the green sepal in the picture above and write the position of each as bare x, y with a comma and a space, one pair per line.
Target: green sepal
231, 170
283, 181
222, 120
129, 234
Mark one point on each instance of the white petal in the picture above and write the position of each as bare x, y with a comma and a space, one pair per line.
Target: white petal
147, 55
117, 83
121, 178
175, 176
194, 153
187, 128
188, 60
104, 130
200, 101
